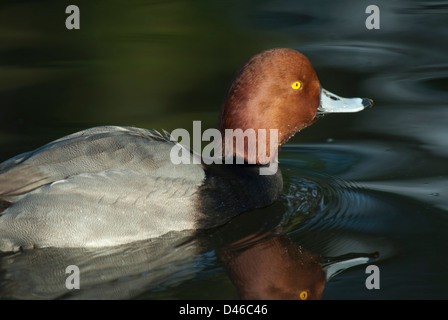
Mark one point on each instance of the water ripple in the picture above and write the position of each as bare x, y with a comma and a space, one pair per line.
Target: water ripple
322, 203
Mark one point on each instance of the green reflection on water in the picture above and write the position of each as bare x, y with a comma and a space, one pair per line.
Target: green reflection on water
160, 64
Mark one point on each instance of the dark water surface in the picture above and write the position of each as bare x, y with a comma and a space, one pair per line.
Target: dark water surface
360, 189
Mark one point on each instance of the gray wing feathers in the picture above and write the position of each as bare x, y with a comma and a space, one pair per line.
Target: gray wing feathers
90, 151
73, 213
102, 186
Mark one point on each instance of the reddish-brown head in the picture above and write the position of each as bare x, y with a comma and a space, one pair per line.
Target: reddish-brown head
276, 89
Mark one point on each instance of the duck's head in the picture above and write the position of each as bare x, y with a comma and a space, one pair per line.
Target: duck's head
277, 89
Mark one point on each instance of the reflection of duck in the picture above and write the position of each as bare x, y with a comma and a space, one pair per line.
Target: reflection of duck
263, 267
276, 268
120, 272
112, 185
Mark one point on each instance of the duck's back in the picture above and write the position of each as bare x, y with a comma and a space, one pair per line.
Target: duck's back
98, 187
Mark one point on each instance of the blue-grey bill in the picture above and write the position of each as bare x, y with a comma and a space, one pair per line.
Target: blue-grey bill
331, 103
334, 266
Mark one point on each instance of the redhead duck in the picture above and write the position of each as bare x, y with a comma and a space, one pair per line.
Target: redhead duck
112, 185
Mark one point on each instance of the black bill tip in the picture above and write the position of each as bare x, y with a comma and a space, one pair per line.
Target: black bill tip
367, 103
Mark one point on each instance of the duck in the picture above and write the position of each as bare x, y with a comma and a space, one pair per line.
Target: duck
113, 185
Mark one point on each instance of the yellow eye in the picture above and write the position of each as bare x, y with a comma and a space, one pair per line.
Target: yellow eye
303, 295
296, 85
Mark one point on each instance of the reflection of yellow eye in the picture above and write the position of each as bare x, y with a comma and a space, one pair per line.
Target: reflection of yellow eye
303, 295
296, 85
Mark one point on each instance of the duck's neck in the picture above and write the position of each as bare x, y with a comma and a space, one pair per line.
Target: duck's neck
252, 146
234, 188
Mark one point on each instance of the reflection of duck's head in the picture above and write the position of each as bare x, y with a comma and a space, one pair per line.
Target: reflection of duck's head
275, 268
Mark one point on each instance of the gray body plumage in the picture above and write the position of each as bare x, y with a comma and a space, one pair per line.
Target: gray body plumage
99, 187
107, 186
